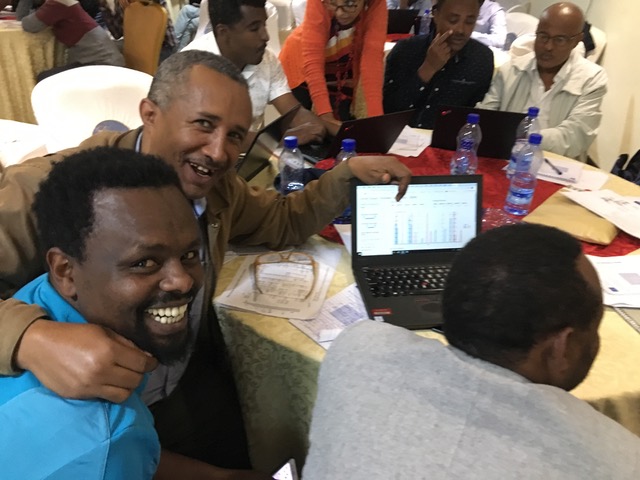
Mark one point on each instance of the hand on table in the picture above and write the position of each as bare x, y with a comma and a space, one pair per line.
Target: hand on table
438, 54
83, 360
308, 132
381, 169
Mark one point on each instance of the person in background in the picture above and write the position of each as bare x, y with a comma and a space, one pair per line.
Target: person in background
195, 118
491, 25
87, 43
112, 17
521, 308
334, 60
418, 5
121, 246
186, 24
448, 68
567, 88
240, 34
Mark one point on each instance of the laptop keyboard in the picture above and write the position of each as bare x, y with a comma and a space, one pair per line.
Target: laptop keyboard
401, 281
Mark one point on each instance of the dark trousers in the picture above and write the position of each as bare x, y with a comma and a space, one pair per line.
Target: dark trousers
301, 93
202, 418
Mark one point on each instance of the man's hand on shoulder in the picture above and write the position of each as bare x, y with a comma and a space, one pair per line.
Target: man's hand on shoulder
381, 169
83, 360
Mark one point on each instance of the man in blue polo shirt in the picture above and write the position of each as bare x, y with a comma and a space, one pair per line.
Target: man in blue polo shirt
122, 248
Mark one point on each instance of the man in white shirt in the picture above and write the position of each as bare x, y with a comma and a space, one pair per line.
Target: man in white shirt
240, 34
567, 88
491, 25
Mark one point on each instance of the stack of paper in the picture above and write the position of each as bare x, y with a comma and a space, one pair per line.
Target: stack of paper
411, 142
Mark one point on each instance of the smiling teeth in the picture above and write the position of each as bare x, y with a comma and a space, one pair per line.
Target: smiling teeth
167, 315
200, 169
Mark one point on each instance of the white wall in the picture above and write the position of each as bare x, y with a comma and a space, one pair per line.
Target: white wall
620, 127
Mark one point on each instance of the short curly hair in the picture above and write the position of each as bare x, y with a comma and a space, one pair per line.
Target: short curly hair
511, 287
63, 205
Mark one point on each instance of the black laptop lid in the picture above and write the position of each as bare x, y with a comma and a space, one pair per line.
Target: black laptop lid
372, 134
437, 216
498, 129
266, 141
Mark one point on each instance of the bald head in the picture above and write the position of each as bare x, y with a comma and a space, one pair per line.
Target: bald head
559, 31
566, 13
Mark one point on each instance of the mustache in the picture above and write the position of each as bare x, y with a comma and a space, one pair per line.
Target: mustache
171, 298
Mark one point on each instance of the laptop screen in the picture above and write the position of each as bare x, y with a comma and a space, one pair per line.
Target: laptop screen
443, 215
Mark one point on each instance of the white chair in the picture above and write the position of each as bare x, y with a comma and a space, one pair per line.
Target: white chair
69, 105
18, 142
521, 23
600, 41
522, 8
204, 19
272, 28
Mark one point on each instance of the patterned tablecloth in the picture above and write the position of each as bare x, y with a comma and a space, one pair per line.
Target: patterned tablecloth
276, 365
23, 55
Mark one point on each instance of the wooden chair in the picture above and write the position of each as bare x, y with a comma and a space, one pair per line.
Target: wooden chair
144, 28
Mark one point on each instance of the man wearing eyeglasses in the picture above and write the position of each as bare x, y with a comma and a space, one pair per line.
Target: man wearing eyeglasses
567, 88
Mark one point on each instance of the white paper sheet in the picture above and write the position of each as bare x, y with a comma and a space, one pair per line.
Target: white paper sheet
337, 313
623, 212
411, 142
620, 279
561, 171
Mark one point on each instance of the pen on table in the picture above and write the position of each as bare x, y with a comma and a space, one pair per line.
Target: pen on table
553, 167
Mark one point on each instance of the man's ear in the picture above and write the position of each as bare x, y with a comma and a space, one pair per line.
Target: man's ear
61, 274
148, 112
559, 355
220, 32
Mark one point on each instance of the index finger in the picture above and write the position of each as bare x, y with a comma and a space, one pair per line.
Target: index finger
442, 37
403, 185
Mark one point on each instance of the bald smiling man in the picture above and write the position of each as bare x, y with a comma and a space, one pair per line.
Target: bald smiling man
566, 87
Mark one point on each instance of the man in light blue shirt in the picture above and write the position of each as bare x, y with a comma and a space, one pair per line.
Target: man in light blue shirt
122, 249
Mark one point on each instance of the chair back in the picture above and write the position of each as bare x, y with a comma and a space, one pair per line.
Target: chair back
69, 106
272, 28
204, 21
144, 27
600, 41
521, 7
521, 23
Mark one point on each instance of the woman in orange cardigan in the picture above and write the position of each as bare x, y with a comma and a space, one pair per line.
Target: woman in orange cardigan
334, 61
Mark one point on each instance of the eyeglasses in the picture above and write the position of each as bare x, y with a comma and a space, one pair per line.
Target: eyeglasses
558, 40
349, 6
285, 274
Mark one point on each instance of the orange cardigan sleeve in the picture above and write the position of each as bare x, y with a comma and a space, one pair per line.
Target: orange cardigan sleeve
372, 58
315, 35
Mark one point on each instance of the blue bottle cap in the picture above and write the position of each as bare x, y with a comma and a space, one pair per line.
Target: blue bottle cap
533, 111
535, 138
466, 144
349, 144
473, 118
291, 142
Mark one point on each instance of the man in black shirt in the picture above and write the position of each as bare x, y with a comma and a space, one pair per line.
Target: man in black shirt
449, 68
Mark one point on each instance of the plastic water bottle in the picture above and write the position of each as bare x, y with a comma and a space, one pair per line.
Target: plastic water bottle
528, 125
523, 181
291, 166
348, 150
464, 161
471, 130
425, 22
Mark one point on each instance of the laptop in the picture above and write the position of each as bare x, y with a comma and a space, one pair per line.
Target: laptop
420, 234
498, 129
372, 135
266, 141
401, 20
